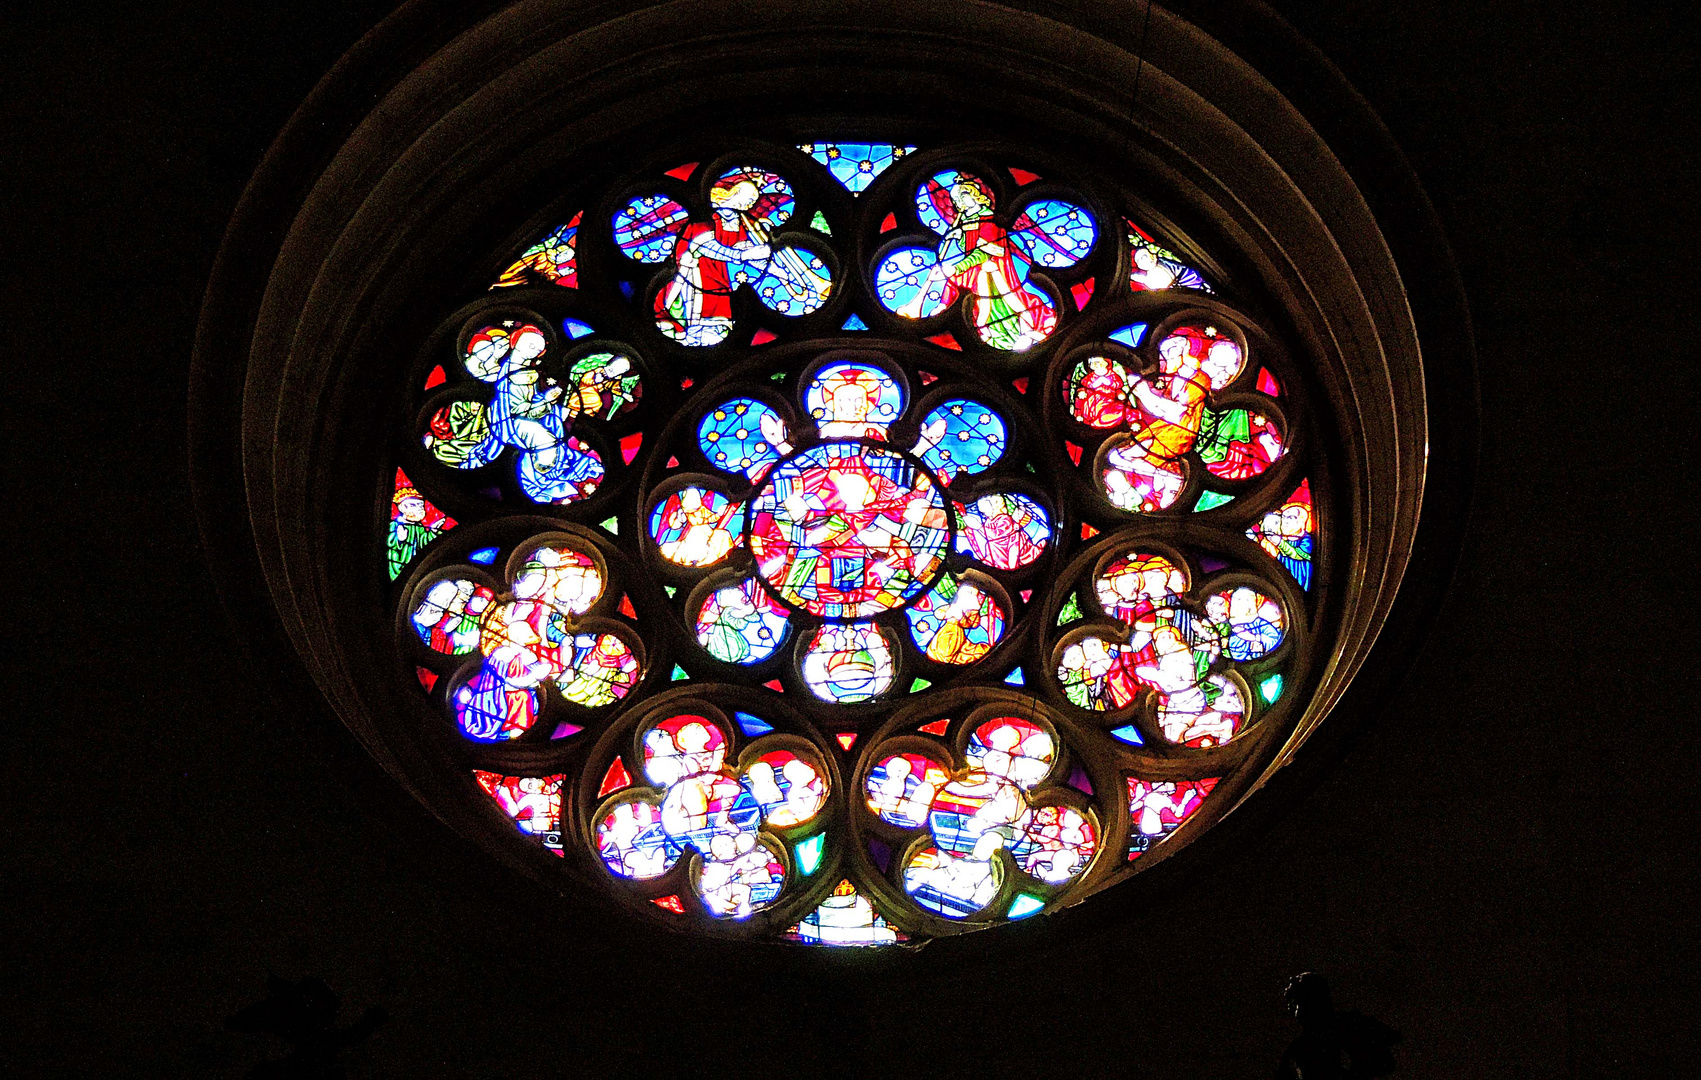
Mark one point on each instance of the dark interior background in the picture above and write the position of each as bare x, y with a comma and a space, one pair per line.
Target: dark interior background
1503, 867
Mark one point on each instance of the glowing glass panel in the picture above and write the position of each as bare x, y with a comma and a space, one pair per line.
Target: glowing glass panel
901, 787
603, 385
848, 664
1133, 586
979, 259
525, 412
977, 815
1054, 233
599, 669
1004, 530
956, 623
647, 229
808, 854
488, 708
458, 435
521, 642
1144, 468
1249, 623
1157, 808
1129, 335
682, 746
1100, 391
696, 526
414, 523
744, 876
632, 842
553, 260
534, 802
1205, 713
1023, 905
960, 436
1098, 674
741, 624
743, 436
952, 887
853, 401
789, 789
561, 577
846, 918
1238, 444
856, 165
1017, 750
1154, 268
1288, 534
1060, 844
848, 530
447, 616
730, 250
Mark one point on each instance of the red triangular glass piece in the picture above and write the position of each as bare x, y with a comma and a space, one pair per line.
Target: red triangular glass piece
436, 378
762, 338
1027, 594
946, 341
846, 739
775, 686
683, 172
673, 463
1087, 531
1023, 176
671, 903
1082, 291
1074, 452
427, 678
928, 378
1142, 233
890, 223
1021, 384
626, 607
687, 383
936, 728
1266, 382
615, 779
629, 446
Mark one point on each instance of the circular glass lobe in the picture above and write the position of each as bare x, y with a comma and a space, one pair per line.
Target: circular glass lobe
846, 529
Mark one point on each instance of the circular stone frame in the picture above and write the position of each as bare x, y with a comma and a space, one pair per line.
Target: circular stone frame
454, 123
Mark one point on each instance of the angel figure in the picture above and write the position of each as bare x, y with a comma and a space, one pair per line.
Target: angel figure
978, 258
712, 259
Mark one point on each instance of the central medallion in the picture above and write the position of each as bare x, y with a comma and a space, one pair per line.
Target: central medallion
847, 529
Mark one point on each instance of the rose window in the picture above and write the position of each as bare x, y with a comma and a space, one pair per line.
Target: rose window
853, 544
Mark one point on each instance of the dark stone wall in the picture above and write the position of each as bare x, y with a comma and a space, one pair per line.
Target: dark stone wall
1502, 867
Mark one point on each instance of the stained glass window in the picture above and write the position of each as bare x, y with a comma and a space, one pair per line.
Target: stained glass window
855, 543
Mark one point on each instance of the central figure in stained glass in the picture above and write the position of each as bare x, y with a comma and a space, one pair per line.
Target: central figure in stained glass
848, 529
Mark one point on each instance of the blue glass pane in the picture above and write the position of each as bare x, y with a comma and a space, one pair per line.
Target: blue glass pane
647, 228
961, 436
743, 435
855, 165
1054, 233
908, 285
752, 726
1130, 335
